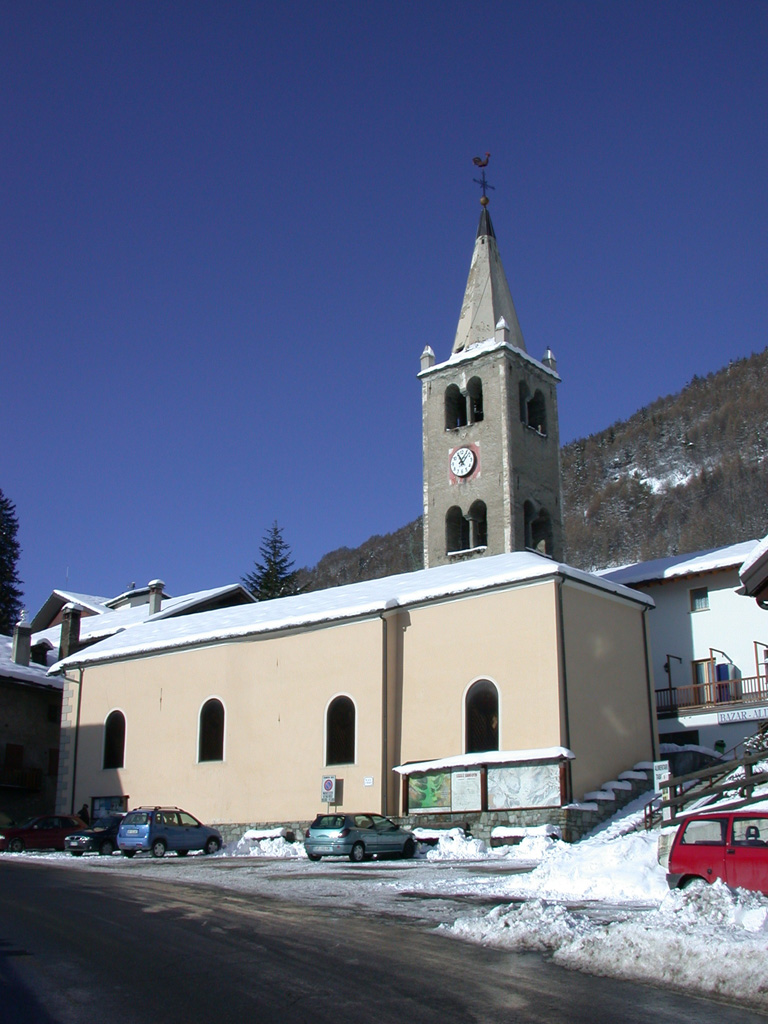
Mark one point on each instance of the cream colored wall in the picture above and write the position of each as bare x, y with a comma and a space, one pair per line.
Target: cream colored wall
506, 636
275, 693
609, 717
276, 690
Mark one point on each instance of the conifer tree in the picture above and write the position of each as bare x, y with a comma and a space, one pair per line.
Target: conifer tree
10, 594
273, 576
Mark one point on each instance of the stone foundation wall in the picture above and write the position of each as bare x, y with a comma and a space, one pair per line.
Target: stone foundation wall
574, 821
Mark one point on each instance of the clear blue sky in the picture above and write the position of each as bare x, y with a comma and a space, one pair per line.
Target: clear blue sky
228, 230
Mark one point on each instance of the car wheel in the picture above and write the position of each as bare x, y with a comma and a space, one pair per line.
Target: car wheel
158, 848
16, 846
409, 848
212, 845
107, 848
314, 856
357, 853
128, 853
182, 853
692, 884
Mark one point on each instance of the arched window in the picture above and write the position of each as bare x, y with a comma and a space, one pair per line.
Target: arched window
538, 529
456, 530
537, 413
482, 717
340, 732
475, 398
455, 408
211, 742
478, 522
114, 740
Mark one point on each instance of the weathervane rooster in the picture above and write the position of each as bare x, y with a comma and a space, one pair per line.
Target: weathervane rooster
481, 181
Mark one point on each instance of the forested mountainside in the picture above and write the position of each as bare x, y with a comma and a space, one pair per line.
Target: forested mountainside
686, 473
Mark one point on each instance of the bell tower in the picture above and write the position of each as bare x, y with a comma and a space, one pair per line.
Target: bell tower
491, 441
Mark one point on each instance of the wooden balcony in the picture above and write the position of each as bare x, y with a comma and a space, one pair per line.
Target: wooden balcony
715, 695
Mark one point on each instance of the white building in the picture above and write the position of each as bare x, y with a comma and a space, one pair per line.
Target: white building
709, 646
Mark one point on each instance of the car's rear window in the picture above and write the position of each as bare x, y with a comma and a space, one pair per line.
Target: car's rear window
328, 821
752, 831
705, 832
136, 818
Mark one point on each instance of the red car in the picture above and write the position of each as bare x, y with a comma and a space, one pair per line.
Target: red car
730, 845
46, 832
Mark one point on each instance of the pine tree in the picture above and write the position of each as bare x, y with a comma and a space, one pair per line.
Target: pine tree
273, 576
10, 594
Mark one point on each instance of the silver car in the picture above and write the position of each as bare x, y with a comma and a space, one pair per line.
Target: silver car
357, 836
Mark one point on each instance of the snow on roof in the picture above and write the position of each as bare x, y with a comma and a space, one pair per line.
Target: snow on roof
760, 548
487, 757
490, 345
677, 566
59, 598
371, 597
114, 620
36, 674
754, 571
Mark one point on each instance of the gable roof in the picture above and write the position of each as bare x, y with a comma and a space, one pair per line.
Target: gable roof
369, 598
96, 627
57, 600
679, 566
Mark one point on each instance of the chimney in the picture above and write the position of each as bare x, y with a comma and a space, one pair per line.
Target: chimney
156, 588
70, 630
427, 358
22, 641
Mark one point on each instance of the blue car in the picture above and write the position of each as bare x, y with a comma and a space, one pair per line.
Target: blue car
160, 829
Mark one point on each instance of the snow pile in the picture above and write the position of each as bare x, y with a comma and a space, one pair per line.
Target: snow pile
453, 844
709, 940
530, 850
620, 870
266, 843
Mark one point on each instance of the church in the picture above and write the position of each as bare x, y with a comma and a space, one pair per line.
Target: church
498, 684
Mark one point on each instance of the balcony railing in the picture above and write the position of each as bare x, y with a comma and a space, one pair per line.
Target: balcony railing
715, 694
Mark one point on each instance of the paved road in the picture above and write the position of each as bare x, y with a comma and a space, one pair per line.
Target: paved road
80, 947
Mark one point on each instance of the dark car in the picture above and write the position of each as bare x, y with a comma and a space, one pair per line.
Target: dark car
101, 837
46, 832
729, 845
158, 829
357, 836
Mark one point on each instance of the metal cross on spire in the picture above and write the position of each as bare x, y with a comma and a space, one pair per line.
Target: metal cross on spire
481, 181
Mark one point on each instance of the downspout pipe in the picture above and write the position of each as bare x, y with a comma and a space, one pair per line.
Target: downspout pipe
384, 718
650, 688
79, 684
566, 738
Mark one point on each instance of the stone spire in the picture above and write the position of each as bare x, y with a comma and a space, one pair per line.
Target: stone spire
487, 298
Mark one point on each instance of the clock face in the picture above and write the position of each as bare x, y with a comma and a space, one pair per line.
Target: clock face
462, 462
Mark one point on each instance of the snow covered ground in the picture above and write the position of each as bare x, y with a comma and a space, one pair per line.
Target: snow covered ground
600, 906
